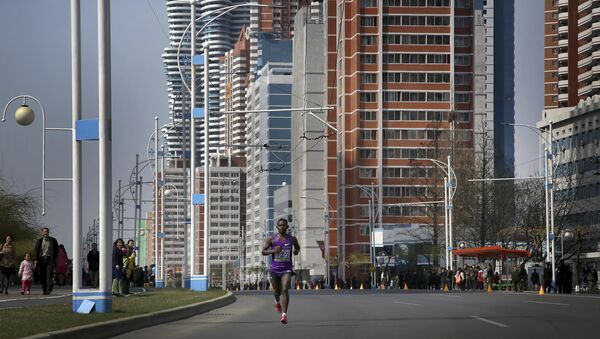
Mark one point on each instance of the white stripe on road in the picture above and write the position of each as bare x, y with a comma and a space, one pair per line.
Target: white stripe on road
447, 295
403, 303
545, 303
35, 298
489, 321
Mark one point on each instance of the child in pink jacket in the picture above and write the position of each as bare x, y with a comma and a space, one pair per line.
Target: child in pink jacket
26, 274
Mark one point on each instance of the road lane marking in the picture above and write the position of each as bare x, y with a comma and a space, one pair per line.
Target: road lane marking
545, 303
489, 321
403, 303
447, 296
5, 300
35, 298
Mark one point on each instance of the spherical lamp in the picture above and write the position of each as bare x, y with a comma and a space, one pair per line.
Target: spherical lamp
24, 115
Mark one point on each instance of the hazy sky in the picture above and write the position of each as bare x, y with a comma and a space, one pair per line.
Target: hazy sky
35, 60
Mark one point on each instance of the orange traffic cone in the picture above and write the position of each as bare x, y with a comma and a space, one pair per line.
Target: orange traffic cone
489, 289
542, 292
316, 287
445, 288
336, 287
405, 286
361, 286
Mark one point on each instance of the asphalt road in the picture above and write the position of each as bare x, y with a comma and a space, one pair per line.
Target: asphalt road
393, 314
14, 299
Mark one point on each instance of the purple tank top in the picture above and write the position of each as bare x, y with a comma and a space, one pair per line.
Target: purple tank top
282, 262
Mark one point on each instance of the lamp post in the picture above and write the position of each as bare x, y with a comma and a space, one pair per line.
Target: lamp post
166, 192
564, 234
549, 191
326, 209
450, 186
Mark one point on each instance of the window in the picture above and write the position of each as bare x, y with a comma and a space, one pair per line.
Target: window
368, 3
392, 58
462, 60
368, 97
368, 40
367, 153
438, 20
368, 21
438, 77
368, 78
462, 41
438, 96
462, 21
368, 58
438, 40
438, 58
368, 115
392, 20
391, 96
368, 134
392, 134
366, 172
463, 97
462, 79
392, 39
413, 58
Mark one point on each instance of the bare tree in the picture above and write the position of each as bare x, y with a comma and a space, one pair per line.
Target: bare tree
17, 213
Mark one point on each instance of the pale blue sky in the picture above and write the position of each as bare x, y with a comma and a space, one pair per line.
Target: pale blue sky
35, 60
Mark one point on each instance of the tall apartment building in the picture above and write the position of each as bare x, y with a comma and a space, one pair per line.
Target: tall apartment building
571, 70
235, 66
409, 79
267, 168
227, 218
220, 36
309, 205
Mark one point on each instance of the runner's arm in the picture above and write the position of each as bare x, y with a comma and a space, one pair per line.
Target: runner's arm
296, 246
268, 244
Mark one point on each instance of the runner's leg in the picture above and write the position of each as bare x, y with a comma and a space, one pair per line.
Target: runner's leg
285, 295
276, 282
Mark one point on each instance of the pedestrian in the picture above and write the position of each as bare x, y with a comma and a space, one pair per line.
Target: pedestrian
489, 276
117, 266
44, 257
548, 279
8, 262
535, 280
523, 278
279, 247
62, 261
516, 279
93, 259
26, 274
128, 265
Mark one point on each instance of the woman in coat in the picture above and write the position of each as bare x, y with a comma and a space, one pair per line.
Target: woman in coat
62, 261
8, 263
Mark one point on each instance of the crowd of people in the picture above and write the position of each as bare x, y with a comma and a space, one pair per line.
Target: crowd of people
47, 264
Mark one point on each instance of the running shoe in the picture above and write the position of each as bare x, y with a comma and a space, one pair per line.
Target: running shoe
284, 319
278, 307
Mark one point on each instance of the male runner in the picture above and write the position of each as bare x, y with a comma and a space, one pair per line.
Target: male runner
279, 247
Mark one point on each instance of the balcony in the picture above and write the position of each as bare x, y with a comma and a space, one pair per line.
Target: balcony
563, 29
563, 97
585, 34
584, 48
585, 5
583, 91
563, 16
584, 76
563, 43
563, 83
563, 70
563, 56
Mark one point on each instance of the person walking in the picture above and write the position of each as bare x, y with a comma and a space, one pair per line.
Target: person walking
8, 263
44, 257
93, 259
535, 280
117, 266
279, 247
26, 274
62, 261
128, 265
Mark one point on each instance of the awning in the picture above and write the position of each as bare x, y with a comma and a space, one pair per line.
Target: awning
490, 252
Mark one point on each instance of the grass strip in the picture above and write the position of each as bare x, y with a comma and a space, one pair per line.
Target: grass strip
22, 322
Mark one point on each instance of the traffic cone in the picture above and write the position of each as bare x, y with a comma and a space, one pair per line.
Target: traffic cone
542, 292
361, 286
445, 288
336, 287
405, 286
489, 289
316, 287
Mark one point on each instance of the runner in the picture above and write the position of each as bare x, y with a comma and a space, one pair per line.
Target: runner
279, 247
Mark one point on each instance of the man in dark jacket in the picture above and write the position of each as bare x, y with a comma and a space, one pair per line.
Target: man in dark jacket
44, 256
93, 259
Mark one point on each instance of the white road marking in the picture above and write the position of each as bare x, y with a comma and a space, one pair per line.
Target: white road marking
489, 321
545, 303
35, 298
447, 295
403, 303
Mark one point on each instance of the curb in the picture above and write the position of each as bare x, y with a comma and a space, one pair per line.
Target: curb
112, 328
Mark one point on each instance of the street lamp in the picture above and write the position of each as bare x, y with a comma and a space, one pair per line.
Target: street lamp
549, 191
326, 221
564, 234
166, 192
450, 186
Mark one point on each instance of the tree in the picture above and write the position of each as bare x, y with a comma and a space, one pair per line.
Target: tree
17, 215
